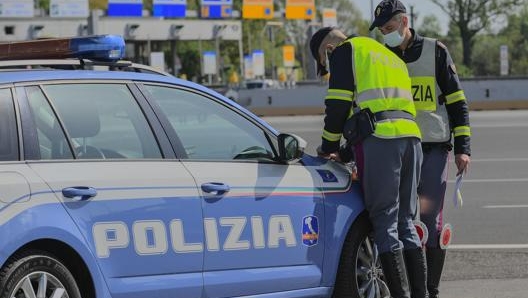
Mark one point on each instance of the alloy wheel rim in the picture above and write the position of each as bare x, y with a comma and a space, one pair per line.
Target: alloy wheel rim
39, 284
369, 275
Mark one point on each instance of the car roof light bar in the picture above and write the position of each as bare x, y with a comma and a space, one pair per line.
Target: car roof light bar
99, 47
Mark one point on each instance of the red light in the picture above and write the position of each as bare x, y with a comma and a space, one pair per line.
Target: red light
39, 49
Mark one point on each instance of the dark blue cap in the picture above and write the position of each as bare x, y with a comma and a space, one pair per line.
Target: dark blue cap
385, 11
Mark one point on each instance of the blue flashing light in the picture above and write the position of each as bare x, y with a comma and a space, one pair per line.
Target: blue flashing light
102, 47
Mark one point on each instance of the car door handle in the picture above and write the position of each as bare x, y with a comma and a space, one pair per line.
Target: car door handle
215, 188
80, 193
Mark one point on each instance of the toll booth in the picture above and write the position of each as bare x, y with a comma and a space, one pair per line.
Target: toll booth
143, 35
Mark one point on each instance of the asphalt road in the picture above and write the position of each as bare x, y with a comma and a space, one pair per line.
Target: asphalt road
488, 256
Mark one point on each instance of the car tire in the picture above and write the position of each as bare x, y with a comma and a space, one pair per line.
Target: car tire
359, 274
27, 273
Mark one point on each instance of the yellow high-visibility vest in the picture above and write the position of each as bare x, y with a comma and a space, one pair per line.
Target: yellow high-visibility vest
383, 84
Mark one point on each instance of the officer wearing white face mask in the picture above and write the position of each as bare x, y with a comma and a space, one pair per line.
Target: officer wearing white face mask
442, 115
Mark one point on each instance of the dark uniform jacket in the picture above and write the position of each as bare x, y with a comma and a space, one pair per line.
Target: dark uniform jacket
341, 77
448, 81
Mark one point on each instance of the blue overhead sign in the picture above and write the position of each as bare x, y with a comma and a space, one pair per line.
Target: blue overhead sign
216, 9
169, 8
125, 8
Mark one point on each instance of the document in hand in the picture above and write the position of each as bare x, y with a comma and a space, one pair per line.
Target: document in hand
457, 195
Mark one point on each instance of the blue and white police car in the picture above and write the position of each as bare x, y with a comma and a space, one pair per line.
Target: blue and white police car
122, 184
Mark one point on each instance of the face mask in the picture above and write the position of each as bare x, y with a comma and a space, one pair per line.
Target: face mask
394, 38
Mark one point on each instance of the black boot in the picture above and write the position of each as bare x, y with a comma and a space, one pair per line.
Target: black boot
435, 264
416, 271
395, 274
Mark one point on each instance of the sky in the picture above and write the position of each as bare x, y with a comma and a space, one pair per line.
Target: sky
421, 7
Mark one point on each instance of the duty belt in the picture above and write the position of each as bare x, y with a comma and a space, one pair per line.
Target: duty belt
384, 115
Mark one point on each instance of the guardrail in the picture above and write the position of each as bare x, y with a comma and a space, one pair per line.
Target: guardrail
308, 97
496, 93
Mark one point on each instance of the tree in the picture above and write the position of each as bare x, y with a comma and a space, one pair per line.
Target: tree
98, 4
349, 20
472, 16
430, 27
454, 44
486, 55
515, 36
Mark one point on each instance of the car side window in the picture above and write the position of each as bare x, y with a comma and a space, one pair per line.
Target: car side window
51, 139
210, 130
8, 127
103, 121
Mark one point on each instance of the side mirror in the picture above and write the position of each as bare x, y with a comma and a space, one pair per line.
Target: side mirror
291, 148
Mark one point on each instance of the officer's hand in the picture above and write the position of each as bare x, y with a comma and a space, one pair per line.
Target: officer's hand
332, 156
335, 156
320, 153
462, 162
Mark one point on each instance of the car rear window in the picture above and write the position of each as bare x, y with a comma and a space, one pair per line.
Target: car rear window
102, 121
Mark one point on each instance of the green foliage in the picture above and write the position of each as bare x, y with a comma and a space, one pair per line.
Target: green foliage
44, 4
464, 71
98, 4
515, 36
190, 59
486, 49
430, 27
349, 18
485, 60
471, 17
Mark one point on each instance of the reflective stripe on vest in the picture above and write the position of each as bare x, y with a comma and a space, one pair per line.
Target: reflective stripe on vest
430, 114
382, 84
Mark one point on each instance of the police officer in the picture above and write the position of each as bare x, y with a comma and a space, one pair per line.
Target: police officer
368, 76
442, 114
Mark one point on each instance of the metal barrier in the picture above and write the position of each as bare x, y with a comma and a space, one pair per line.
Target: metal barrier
308, 98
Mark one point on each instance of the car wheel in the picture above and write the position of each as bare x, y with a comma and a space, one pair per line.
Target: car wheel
359, 274
37, 274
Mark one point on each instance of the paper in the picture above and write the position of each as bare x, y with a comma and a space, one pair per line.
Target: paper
457, 195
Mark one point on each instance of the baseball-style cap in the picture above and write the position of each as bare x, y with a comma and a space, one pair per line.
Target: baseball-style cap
385, 11
315, 43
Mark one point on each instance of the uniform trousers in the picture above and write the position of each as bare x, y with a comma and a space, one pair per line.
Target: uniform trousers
389, 170
432, 189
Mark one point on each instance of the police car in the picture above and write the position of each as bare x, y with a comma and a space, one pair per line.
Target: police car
125, 184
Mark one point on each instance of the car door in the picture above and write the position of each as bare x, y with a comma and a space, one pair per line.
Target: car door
262, 219
138, 209
15, 176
